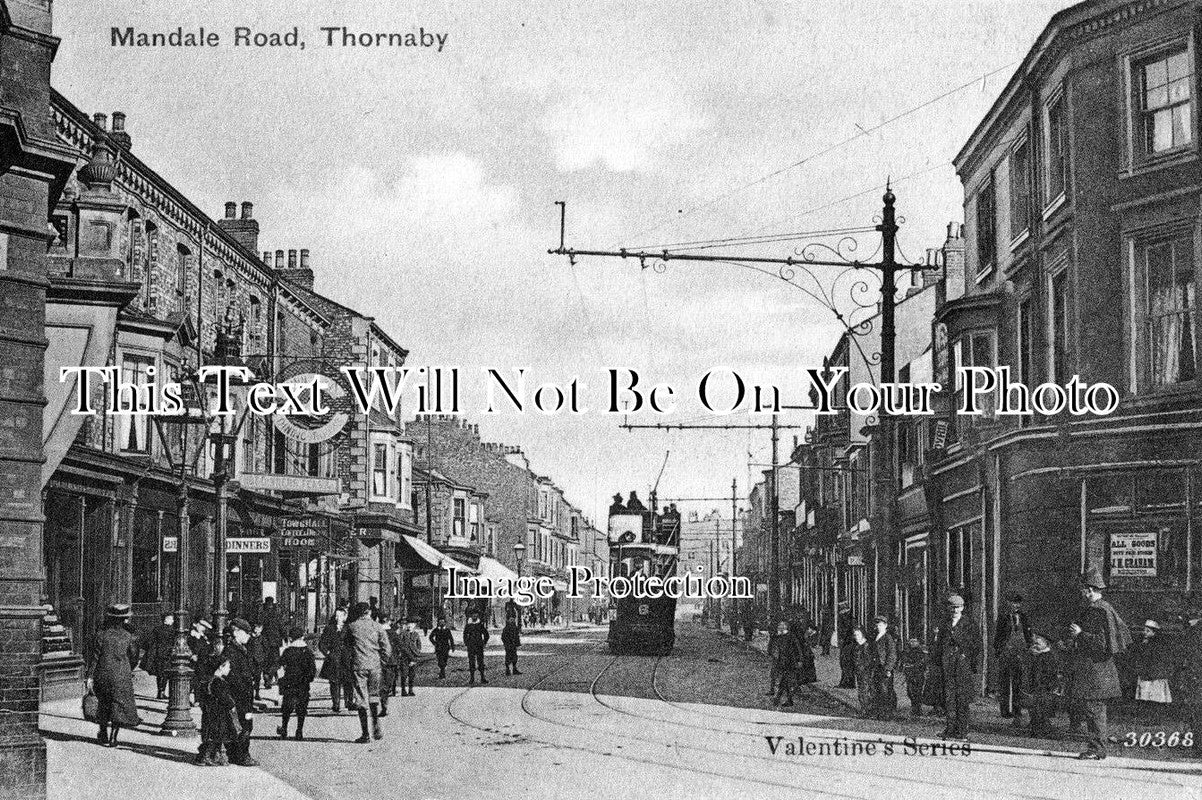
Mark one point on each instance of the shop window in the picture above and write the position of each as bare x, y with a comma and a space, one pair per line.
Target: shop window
1109, 495
1159, 492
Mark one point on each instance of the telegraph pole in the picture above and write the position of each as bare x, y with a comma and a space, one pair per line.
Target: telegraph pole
734, 513
774, 607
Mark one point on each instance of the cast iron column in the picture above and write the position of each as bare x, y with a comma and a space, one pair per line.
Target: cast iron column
885, 477
178, 721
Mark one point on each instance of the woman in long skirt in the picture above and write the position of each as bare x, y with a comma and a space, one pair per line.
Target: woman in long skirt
110, 674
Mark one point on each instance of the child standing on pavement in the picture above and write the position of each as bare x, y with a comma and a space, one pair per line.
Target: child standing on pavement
511, 638
914, 667
300, 668
1043, 688
219, 725
444, 642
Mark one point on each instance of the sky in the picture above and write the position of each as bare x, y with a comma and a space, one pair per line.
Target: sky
424, 182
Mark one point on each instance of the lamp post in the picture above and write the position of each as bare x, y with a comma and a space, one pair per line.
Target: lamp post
519, 553
190, 442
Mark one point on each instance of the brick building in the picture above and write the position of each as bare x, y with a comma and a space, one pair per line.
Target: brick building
1082, 235
33, 170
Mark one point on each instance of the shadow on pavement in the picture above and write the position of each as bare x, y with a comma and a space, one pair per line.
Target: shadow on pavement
164, 753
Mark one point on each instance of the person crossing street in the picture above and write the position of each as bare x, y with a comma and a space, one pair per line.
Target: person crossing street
366, 643
475, 637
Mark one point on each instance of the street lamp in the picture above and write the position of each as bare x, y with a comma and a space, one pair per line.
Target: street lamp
519, 553
188, 443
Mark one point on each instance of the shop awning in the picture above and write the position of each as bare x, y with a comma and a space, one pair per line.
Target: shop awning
496, 571
431, 557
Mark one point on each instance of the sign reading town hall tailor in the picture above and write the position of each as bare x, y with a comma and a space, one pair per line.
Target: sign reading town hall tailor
1133, 555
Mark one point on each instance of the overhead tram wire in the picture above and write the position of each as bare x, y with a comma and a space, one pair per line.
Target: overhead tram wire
767, 238
861, 132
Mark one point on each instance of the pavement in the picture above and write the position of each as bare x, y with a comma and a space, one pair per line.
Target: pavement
580, 722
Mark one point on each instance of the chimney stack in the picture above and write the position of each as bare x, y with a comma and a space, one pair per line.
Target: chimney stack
267, 257
245, 230
953, 282
101, 119
298, 273
119, 134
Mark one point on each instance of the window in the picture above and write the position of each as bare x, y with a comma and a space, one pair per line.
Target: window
181, 271
133, 430
405, 477
152, 258
457, 521
474, 521
379, 469
1059, 357
1022, 327
1020, 189
986, 228
1058, 161
1164, 102
1168, 306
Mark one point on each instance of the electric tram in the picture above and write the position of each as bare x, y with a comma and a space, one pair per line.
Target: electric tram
642, 540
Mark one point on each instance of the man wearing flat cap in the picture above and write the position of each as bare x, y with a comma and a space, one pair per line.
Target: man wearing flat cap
1011, 644
1098, 635
241, 681
958, 650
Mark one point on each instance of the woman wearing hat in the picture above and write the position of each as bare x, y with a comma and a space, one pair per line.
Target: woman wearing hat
1152, 660
110, 674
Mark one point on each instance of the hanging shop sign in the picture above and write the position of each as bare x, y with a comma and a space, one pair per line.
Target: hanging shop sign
314, 429
303, 534
170, 544
1133, 555
248, 544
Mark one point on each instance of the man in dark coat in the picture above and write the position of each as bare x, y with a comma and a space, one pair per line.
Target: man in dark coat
847, 648
786, 658
110, 674
475, 637
157, 658
244, 674
1012, 645
444, 642
511, 638
410, 645
334, 666
884, 651
1098, 635
272, 639
1189, 679
958, 651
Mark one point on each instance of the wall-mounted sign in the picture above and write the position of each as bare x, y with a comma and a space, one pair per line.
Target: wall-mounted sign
1133, 555
248, 544
170, 544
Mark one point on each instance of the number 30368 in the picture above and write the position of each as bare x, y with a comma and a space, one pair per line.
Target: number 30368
1159, 739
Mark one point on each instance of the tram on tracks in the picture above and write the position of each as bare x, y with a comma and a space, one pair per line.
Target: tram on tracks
642, 540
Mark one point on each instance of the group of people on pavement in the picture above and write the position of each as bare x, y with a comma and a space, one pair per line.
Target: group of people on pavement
1041, 674
366, 657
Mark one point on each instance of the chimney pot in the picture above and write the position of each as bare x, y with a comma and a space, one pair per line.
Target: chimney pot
247, 210
230, 208
304, 258
118, 121
279, 259
101, 119
267, 257
291, 259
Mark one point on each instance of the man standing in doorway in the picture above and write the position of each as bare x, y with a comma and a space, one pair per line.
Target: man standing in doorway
1098, 635
1011, 644
958, 651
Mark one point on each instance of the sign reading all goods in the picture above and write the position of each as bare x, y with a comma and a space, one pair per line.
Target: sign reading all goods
1133, 555
247, 544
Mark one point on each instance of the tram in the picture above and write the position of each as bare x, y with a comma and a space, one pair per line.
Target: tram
642, 540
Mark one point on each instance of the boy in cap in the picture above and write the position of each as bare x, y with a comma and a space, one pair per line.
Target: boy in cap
444, 642
241, 679
300, 668
411, 649
1098, 635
